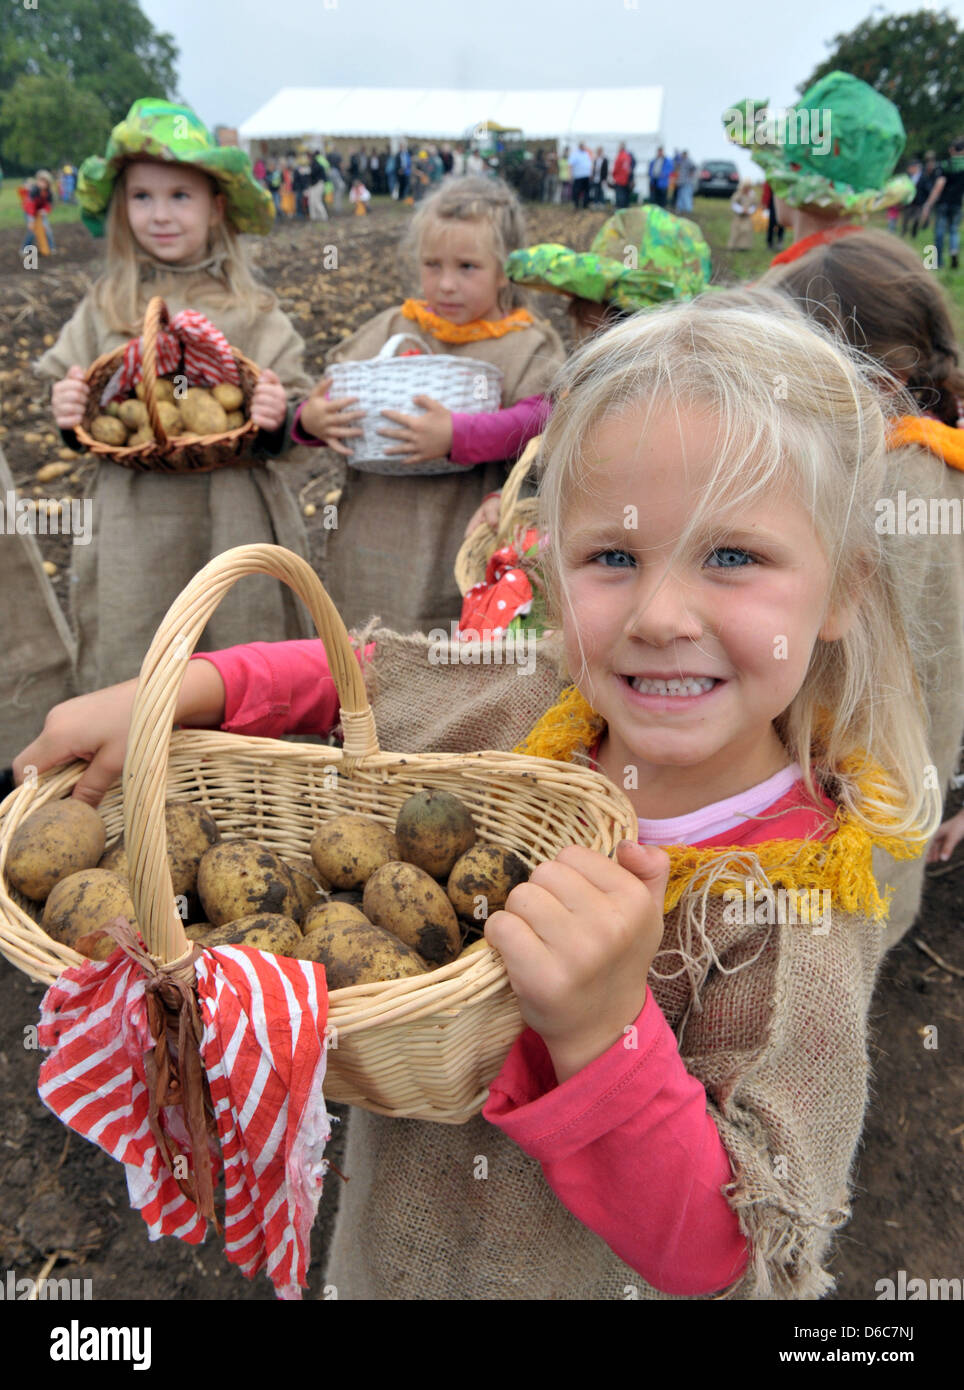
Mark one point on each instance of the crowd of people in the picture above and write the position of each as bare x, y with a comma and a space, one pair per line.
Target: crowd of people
657, 1165
938, 193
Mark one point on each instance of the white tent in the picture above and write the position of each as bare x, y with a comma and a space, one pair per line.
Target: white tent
598, 115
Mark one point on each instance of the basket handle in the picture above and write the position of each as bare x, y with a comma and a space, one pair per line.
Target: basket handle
155, 319
390, 348
152, 719
513, 486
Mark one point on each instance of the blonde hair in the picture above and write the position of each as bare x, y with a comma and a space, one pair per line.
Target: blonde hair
131, 278
474, 198
792, 409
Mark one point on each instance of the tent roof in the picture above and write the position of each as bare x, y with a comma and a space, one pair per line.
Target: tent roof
449, 114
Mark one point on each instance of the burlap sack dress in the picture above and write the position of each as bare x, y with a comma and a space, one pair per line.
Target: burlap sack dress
393, 552
780, 1045
153, 532
931, 570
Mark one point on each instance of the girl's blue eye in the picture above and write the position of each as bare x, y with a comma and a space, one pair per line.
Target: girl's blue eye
615, 559
731, 557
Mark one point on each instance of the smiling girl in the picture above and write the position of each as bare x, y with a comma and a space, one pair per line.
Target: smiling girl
394, 549
680, 1116
173, 204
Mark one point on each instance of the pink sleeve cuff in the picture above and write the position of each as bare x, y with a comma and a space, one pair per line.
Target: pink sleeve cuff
628, 1146
298, 435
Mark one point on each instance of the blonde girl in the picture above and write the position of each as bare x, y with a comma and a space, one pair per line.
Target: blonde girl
680, 1116
393, 552
173, 204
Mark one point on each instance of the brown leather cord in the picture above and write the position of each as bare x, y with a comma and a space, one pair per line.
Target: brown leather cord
174, 1071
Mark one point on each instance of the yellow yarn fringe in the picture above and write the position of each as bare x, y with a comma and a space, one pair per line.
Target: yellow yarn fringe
841, 863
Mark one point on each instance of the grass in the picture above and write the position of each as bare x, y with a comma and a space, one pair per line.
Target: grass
11, 213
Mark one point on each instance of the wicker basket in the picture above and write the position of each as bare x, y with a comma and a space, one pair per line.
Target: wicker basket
201, 454
388, 382
424, 1047
515, 514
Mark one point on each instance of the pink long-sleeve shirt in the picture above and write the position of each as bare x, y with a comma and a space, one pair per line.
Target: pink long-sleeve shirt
627, 1143
489, 438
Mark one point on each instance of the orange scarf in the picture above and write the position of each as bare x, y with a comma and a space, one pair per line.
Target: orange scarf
943, 440
473, 332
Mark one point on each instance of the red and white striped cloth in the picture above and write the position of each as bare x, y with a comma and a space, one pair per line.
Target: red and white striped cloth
208, 358
263, 1051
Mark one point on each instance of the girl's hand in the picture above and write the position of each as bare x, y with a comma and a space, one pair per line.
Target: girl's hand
269, 402
423, 437
487, 515
94, 728
69, 399
329, 420
578, 940
946, 839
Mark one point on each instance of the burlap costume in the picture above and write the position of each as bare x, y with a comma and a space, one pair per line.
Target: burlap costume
780, 1046
931, 571
393, 553
153, 532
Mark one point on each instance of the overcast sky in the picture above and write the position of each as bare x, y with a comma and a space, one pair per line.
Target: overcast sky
705, 54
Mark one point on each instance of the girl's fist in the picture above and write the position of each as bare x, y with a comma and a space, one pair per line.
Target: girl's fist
269, 402
69, 399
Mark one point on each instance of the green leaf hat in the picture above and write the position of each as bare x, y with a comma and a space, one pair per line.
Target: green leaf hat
639, 257
836, 149
155, 129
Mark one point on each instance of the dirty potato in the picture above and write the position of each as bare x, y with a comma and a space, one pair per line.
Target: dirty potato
235, 419
170, 417
238, 878
133, 413
481, 880
310, 885
433, 828
58, 839
201, 413
348, 850
191, 831
407, 901
79, 906
353, 950
107, 429
265, 931
228, 396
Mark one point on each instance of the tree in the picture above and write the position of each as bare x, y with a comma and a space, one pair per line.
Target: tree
109, 50
49, 120
917, 61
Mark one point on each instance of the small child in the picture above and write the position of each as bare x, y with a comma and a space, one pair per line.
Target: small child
360, 196
394, 549
874, 291
743, 205
681, 1114
36, 199
174, 204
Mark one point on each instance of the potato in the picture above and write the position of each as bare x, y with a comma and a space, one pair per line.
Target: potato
348, 849
355, 952
237, 878
330, 914
58, 839
433, 828
201, 412
227, 395
106, 429
472, 947
266, 931
484, 871
310, 885
235, 419
113, 408
80, 905
170, 417
190, 832
143, 435
164, 390
407, 901
133, 413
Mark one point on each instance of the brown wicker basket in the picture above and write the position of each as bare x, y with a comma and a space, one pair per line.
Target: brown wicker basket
515, 514
423, 1047
198, 454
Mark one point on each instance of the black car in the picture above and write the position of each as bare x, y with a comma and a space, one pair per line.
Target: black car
718, 178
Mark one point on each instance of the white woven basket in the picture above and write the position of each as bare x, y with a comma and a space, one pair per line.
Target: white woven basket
388, 382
